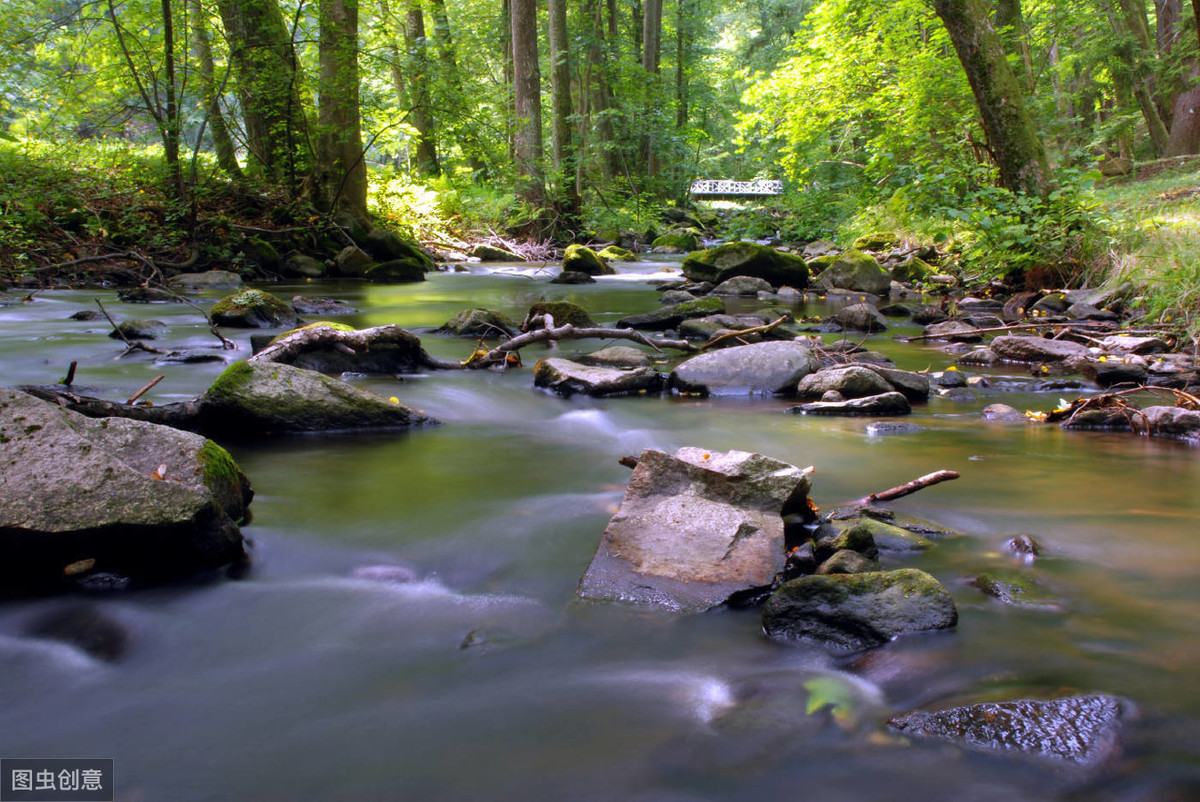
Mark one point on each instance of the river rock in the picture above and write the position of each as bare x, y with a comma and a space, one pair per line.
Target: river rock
914, 386
617, 356
304, 266
954, 331
1015, 590
1134, 344
746, 259
884, 404
678, 240
743, 285
397, 271
858, 611
852, 381
672, 297
1079, 730
320, 305
258, 398
253, 309
388, 246
1013, 348
208, 280
563, 312
860, 317
857, 272
886, 537
479, 322
1173, 422
138, 329
572, 277
492, 253
352, 262
669, 317
84, 626
615, 253
569, 378
766, 367
847, 561
1003, 413
582, 259
1112, 372
136, 498
695, 528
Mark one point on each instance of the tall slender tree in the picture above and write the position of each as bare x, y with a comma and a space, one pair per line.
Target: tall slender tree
210, 90
420, 93
340, 173
527, 102
562, 129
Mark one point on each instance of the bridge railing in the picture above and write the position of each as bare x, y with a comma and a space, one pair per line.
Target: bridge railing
718, 186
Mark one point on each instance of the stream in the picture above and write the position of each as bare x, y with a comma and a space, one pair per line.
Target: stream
483, 679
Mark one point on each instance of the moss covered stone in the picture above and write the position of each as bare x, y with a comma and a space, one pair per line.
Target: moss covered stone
397, 271
877, 241
855, 271
669, 317
723, 262
563, 312
221, 474
615, 253
253, 309
479, 322
677, 241
582, 259
318, 324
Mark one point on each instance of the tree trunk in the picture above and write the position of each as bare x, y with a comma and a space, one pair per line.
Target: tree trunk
419, 93
219, 130
268, 83
1012, 138
340, 175
171, 110
506, 17
454, 101
1184, 138
1133, 65
1010, 23
651, 48
527, 101
561, 111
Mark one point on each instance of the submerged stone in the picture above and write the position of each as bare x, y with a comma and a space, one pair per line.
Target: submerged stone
767, 367
569, 378
1080, 730
253, 309
1014, 348
892, 403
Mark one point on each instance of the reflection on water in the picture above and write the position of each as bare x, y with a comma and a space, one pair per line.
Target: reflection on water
481, 678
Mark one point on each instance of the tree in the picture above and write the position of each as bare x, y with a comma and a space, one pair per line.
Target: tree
527, 102
210, 91
420, 98
1012, 138
340, 174
563, 133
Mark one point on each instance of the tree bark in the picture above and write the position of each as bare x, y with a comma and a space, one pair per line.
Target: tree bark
453, 101
562, 131
1012, 138
527, 101
651, 49
218, 128
340, 172
420, 97
268, 84
1010, 23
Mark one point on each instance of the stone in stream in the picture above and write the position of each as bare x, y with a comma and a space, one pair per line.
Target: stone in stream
492, 253
617, 356
746, 259
569, 378
208, 280
320, 305
743, 285
304, 266
1003, 413
670, 316
388, 246
1080, 730
852, 612
253, 309
857, 272
1112, 372
766, 367
1177, 422
138, 329
479, 322
572, 277
257, 398
1015, 589
884, 404
954, 331
851, 381
1013, 348
110, 495
582, 259
860, 317
85, 627
695, 528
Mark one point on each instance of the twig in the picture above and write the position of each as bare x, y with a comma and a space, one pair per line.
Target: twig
893, 493
1014, 327
569, 332
69, 379
130, 345
735, 334
145, 388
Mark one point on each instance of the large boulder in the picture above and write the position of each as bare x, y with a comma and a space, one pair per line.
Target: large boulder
858, 611
479, 322
679, 240
396, 271
746, 259
855, 271
253, 309
387, 246
335, 348
851, 381
766, 367
110, 495
569, 378
563, 312
582, 259
208, 280
1173, 422
257, 398
696, 528
860, 317
1080, 730
1015, 348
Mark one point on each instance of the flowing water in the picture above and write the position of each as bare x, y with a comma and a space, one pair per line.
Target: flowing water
483, 679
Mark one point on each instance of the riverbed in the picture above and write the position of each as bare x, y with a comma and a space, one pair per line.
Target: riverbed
484, 679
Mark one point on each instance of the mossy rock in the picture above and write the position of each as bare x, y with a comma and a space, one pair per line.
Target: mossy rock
253, 309
723, 262
396, 271
316, 325
261, 253
670, 316
678, 241
352, 261
491, 253
615, 253
387, 246
888, 537
582, 259
562, 312
877, 241
479, 322
913, 269
304, 266
818, 264
855, 271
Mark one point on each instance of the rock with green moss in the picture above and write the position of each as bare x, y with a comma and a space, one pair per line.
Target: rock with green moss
492, 253
568, 378
682, 240
352, 262
111, 495
479, 322
253, 309
208, 280
1016, 589
857, 272
887, 537
563, 312
615, 253
388, 246
746, 259
852, 612
304, 266
396, 271
582, 259
877, 241
669, 317
261, 253
255, 398
913, 270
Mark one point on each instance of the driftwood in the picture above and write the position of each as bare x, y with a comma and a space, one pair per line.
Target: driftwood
182, 415
733, 335
145, 388
1068, 326
130, 345
567, 331
908, 488
287, 348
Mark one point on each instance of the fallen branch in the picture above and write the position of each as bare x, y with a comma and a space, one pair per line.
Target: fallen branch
1069, 326
287, 348
929, 479
130, 345
568, 331
730, 335
145, 388
181, 415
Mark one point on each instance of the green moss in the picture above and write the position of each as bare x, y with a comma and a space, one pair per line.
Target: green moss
318, 324
231, 381
710, 305
616, 253
682, 240
240, 304
563, 312
582, 259
218, 465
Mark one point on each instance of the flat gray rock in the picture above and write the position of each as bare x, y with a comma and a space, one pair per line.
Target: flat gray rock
694, 528
1080, 730
852, 381
767, 367
1036, 349
569, 378
884, 404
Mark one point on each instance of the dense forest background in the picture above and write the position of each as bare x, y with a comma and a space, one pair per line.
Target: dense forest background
981, 127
